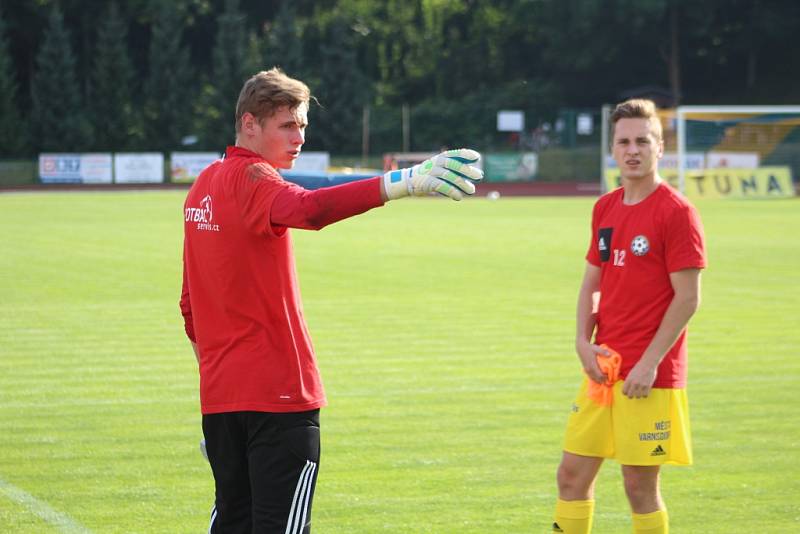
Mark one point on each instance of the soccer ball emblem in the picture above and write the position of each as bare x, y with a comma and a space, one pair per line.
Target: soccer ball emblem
640, 245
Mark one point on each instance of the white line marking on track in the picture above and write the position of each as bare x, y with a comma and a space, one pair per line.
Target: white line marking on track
42, 510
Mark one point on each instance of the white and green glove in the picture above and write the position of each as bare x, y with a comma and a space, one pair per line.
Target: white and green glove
451, 174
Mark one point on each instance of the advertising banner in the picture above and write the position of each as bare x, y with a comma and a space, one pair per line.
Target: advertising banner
186, 166
96, 168
139, 168
510, 167
312, 161
763, 182
91, 168
734, 160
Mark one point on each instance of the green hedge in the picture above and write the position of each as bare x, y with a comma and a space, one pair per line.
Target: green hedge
18, 172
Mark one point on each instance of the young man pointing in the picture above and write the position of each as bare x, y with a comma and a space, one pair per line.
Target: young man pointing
260, 389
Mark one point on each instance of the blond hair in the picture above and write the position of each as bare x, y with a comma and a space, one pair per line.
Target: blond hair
638, 108
266, 92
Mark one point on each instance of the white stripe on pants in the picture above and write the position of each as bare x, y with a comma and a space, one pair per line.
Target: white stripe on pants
213, 518
302, 494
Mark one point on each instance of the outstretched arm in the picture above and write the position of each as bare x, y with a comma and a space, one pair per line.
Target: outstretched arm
450, 173
295, 207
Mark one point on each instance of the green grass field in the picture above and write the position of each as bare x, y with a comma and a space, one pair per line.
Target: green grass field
444, 333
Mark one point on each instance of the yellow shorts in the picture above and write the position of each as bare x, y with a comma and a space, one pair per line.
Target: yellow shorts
650, 431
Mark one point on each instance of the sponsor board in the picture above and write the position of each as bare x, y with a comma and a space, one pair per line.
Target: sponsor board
139, 168
312, 161
187, 166
88, 168
763, 182
511, 167
732, 160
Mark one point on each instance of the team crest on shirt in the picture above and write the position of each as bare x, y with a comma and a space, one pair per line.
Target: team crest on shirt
203, 216
640, 245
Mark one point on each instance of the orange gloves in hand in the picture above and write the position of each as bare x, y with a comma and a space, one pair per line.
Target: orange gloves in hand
603, 394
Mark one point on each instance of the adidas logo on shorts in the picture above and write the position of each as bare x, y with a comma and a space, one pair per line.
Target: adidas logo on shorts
556, 528
658, 451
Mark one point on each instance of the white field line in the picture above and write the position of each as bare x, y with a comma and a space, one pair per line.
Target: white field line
64, 523
16, 405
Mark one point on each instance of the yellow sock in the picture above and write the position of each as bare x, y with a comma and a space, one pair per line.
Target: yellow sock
653, 523
573, 517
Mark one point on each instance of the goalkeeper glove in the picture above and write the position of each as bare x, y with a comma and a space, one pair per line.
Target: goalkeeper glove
450, 173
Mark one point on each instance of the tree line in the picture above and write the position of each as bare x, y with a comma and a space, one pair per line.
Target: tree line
83, 75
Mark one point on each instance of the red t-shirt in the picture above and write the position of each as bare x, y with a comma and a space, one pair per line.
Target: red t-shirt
240, 301
636, 248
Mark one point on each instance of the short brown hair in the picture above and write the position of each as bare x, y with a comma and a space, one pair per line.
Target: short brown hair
266, 92
638, 108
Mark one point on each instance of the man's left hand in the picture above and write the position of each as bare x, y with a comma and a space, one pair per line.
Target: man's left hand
639, 381
450, 174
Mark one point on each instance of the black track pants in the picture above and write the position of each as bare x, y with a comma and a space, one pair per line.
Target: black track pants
265, 471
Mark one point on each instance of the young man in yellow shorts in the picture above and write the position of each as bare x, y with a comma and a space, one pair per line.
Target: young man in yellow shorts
640, 288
